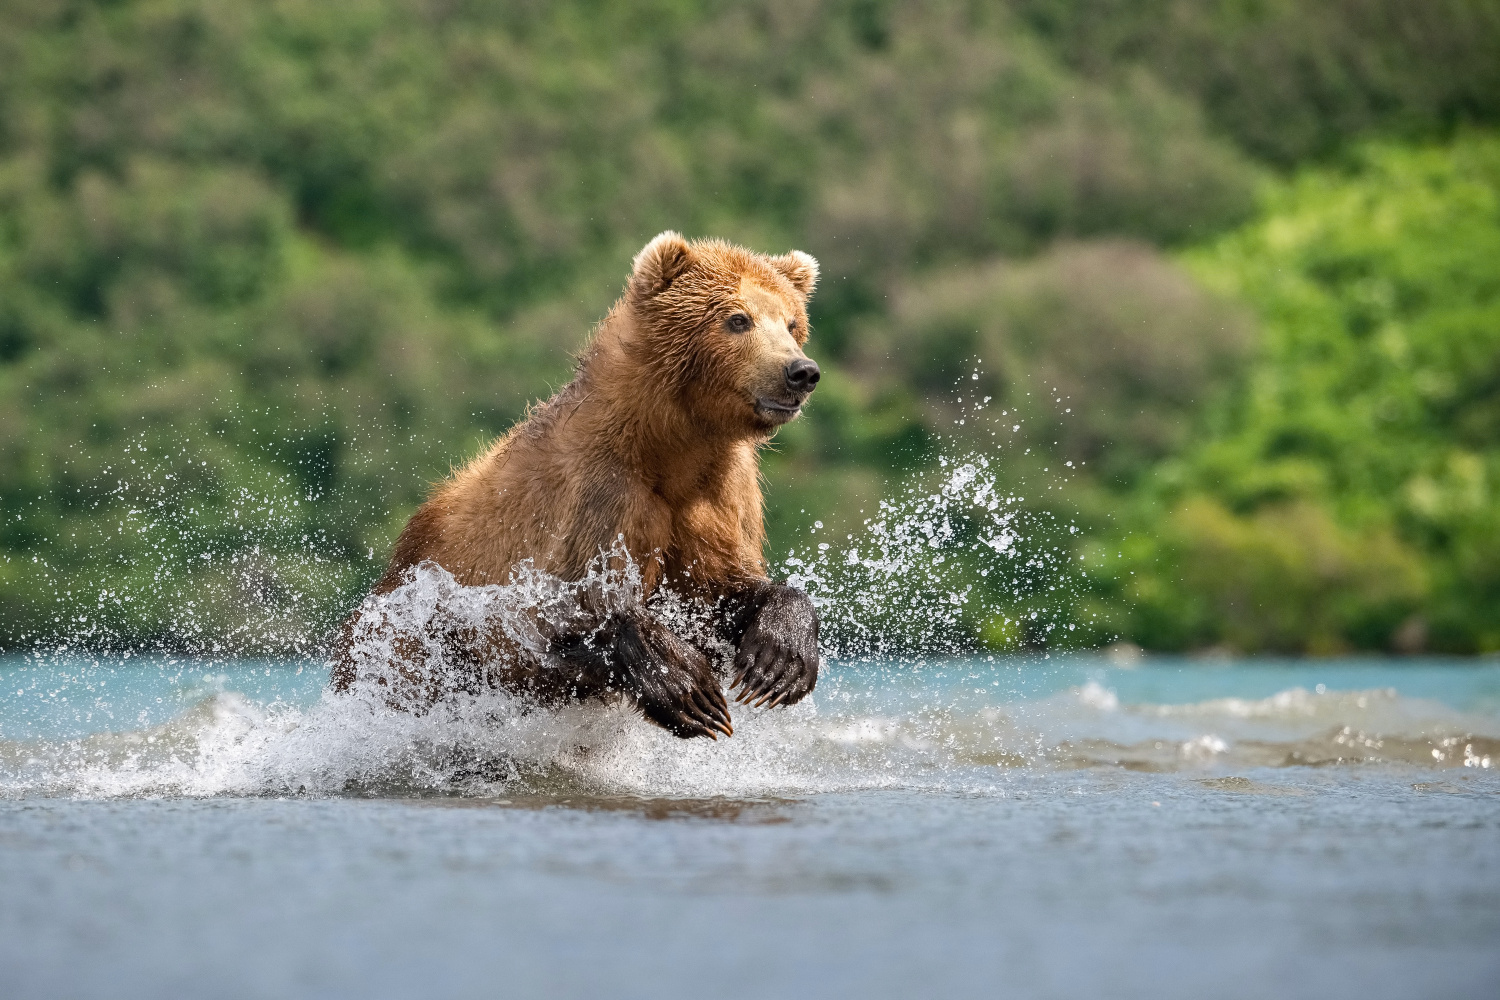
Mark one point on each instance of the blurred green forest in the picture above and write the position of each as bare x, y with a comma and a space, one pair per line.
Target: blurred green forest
1226, 271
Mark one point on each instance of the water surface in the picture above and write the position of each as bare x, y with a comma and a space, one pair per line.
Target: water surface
1056, 827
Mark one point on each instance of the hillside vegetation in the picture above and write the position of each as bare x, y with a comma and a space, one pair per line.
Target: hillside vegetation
1346, 492
268, 268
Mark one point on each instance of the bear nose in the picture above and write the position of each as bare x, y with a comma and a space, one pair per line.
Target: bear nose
802, 375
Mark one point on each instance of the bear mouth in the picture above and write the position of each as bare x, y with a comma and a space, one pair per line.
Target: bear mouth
777, 410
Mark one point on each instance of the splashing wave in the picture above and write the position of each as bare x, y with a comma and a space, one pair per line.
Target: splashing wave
898, 727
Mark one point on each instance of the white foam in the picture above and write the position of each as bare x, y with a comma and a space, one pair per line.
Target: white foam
842, 739
1096, 696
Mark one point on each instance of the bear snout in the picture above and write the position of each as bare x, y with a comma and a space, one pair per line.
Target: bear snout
802, 376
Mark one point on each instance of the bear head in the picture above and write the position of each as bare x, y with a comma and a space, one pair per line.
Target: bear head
722, 329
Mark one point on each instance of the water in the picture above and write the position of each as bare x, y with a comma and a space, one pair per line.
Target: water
1055, 827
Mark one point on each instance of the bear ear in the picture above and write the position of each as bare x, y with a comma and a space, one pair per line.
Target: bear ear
660, 262
801, 269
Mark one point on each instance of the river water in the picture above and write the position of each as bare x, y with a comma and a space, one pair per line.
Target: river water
1042, 827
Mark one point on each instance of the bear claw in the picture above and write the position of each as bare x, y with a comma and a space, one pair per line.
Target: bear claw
771, 676
777, 660
697, 715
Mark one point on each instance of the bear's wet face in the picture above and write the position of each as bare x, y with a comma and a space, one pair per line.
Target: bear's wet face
728, 326
769, 328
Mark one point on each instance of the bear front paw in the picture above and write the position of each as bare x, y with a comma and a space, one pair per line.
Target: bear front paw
674, 685
777, 660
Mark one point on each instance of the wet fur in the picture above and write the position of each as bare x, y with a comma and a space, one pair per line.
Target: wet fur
653, 445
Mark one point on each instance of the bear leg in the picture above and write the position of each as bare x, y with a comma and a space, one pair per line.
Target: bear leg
775, 628
670, 680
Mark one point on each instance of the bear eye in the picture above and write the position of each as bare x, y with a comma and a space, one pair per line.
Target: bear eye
791, 326
738, 323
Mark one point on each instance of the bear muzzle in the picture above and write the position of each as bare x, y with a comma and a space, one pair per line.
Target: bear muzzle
799, 379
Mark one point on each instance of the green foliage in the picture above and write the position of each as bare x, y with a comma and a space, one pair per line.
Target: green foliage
269, 267
308, 255
1345, 494
1099, 352
1292, 79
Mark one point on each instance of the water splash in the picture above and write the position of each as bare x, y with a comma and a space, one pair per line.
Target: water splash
164, 548
962, 726
944, 569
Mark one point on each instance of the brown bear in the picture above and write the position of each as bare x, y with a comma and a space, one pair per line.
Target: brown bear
648, 457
